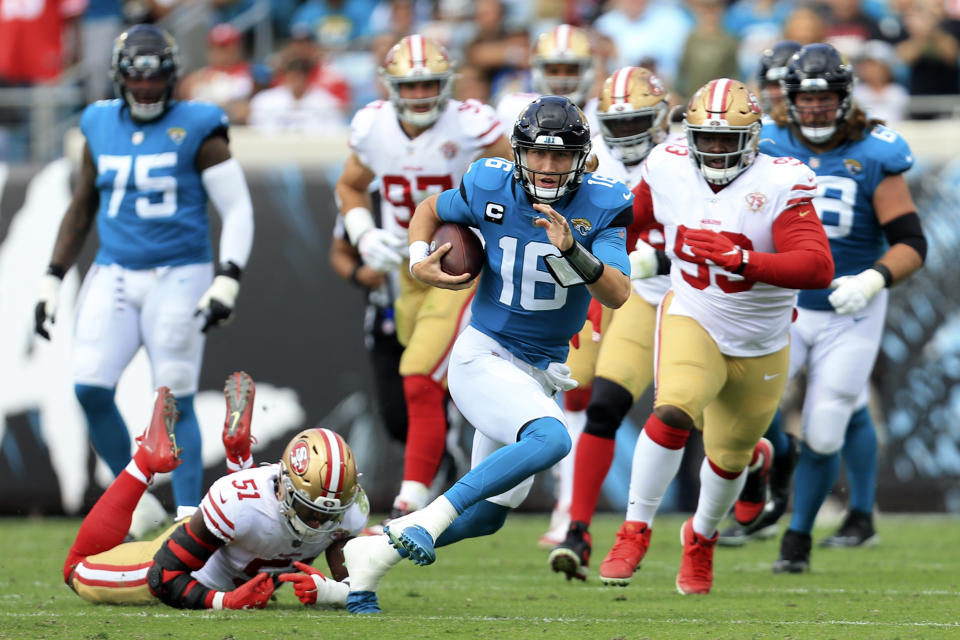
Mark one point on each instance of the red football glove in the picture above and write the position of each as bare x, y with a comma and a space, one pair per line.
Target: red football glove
715, 247
595, 318
305, 584
253, 594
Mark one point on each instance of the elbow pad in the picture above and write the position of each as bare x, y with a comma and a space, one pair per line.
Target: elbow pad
169, 578
906, 230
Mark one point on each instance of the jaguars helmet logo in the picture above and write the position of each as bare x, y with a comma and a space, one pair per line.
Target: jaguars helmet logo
582, 225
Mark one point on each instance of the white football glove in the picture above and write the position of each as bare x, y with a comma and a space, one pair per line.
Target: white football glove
218, 302
557, 376
382, 250
46, 307
852, 293
643, 261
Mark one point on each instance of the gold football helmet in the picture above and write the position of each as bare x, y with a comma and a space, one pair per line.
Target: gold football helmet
417, 59
317, 482
563, 45
633, 112
722, 123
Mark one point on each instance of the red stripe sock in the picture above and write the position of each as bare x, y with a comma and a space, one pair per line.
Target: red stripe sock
107, 524
594, 456
427, 430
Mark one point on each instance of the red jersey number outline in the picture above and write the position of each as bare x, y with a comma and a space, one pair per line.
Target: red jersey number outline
405, 199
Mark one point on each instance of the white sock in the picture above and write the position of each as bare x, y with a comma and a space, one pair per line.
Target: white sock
413, 496
435, 517
368, 558
135, 471
717, 495
654, 467
576, 421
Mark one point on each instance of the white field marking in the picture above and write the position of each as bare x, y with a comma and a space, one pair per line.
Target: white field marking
564, 620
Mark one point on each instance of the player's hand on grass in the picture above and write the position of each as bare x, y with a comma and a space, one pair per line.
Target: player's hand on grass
253, 594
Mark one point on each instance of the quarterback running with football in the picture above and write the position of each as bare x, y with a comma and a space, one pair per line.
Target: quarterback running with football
150, 165
742, 235
563, 64
554, 236
417, 143
877, 241
255, 527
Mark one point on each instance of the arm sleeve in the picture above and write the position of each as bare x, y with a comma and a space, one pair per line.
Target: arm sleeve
227, 189
802, 260
643, 219
170, 579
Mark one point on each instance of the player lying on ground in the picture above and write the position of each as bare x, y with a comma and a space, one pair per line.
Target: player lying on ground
252, 529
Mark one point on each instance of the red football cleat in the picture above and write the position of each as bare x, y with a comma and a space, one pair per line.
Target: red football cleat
239, 392
158, 451
633, 540
749, 505
696, 567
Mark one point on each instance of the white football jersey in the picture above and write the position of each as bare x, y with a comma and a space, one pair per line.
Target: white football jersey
745, 318
511, 106
243, 510
650, 289
409, 170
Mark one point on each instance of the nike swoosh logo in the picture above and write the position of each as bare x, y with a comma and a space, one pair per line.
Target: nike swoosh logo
802, 213
234, 419
626, 196
222, 501
860, 319
770, 376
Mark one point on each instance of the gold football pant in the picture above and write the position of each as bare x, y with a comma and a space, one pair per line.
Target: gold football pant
731, 399
119, 575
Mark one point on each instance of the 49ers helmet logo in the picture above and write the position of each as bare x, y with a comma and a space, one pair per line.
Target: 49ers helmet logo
300, 458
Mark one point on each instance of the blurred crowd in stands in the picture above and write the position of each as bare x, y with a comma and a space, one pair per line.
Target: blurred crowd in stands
324, 55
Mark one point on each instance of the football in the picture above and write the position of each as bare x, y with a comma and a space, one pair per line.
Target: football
466, 250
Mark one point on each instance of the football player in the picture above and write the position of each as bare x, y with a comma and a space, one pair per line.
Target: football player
554, 236
417, 143
633, 112
772, 67
877, 241
563, 64
255, 527
741, 232
150, 164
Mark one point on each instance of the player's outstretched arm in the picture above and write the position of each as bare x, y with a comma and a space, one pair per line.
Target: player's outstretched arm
424, 263
73, 232
226, 186
608, 285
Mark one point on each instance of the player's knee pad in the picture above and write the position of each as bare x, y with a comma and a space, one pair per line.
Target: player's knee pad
609, 403
554, 440
181, 377
170, 577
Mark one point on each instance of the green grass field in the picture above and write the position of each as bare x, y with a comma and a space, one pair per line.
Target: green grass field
500, 587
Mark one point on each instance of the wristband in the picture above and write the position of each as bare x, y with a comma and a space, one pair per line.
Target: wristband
218, 600
744, 259
56, 270
356, 222
419, 250
885, 272
353, 275
576, 265
230, 270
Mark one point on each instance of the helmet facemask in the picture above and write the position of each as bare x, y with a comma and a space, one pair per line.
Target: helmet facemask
817, 69
721, 168
411, 110
566, 180
831, 116
631, 135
